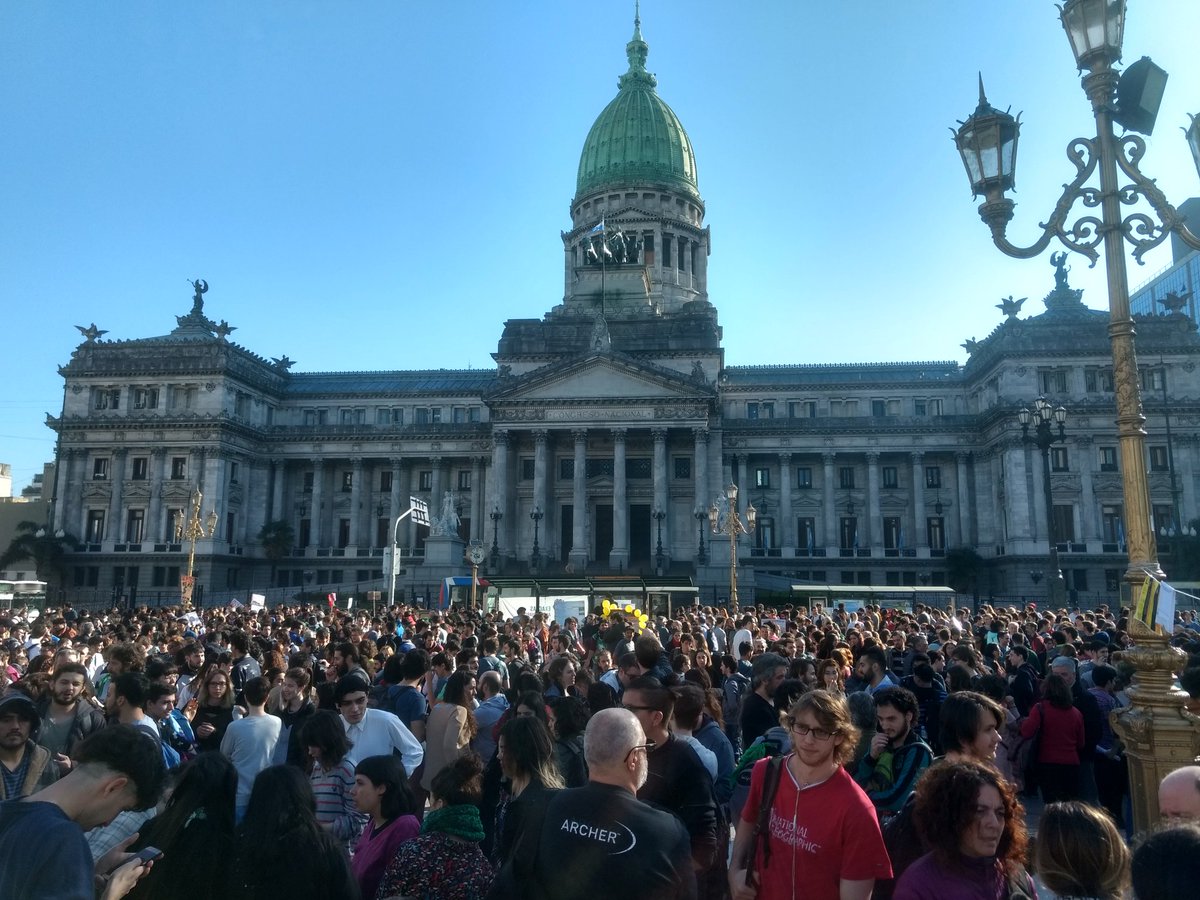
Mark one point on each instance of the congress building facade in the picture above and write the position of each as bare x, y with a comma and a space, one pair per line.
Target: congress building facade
608, 427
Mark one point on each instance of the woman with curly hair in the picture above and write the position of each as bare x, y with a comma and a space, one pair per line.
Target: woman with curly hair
971, 818
829, 677
451, 726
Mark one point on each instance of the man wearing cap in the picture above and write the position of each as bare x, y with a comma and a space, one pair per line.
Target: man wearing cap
758, 712
25, 766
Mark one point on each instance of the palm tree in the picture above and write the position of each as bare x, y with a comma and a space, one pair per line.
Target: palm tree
277, 539
47, 550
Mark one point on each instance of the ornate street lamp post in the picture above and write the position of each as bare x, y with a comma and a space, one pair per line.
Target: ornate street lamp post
658, 515
196, 527
1043, 418
495, 515
537, 515
731, 523
701, 554
1159, 734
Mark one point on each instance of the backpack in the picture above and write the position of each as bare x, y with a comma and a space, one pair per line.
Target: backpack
773, 744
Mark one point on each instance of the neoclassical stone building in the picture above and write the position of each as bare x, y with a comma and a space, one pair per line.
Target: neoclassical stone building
609, 426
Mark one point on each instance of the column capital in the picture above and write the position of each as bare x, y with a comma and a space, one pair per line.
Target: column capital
828, 457
157, 452
541, 436
500, 437
618, 435
580, 435
478, 460
701, 435
397, 463
785, 459
873, 457
120, 452
659, 435
918, 457
356, 462
318, 464
435, 461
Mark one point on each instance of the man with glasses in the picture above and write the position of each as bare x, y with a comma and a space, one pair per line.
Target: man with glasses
823, 835
373, 732
678, 781
603, 830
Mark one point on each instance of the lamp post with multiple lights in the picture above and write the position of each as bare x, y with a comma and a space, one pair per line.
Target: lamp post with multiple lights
1043, 418
730, 523
196, 527
537, 515
1158, 734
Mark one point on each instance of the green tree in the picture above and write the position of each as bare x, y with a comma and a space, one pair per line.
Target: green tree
47, 550
963, 565
277, 539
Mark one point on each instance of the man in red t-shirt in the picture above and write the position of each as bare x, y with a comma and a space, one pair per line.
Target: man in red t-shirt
824, 837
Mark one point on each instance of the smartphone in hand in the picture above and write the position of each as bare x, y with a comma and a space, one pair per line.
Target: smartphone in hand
149, 854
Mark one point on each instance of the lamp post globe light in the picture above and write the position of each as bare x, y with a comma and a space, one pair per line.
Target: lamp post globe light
987, 142
1158, 736
1043, 418
730, 523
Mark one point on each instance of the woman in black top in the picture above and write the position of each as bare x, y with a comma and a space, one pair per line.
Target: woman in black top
214, 709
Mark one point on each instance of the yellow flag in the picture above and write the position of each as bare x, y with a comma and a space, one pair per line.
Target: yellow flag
1146, 607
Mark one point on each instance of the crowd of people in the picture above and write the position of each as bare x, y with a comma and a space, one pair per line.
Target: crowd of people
774, 753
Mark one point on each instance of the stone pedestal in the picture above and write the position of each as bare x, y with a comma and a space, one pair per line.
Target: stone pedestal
444, 550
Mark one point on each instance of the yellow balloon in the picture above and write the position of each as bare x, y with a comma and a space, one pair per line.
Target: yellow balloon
606, 606
628, 608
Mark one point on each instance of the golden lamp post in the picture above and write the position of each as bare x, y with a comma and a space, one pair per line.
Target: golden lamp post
196, 527
730, 523
1158, 733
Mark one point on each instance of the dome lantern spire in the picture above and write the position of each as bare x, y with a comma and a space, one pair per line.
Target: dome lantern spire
637, 50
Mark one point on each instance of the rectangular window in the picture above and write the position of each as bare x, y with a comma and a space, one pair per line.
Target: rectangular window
474, 414
802, 409
145, 398
766, 409
935, 527
313, 417
385, 481
135, 520
848, 533
806, 533
804, 478
683, 468
230, 522
846, 477
1159, 461
464, 479
566, 468
425, 480
933, 477
638, 467
891, 477
1108, 459
100, 469
920, 408
1062, 523
1052, 381
878, 408
1152, 380
935, 406
527, 468
1163, 518
233, 473
762, 478
1098, 381
347, 482
308, 481
1078, 580
178, 468
599, 468
353, 416
141, 468
383, 416
751, 410
891, 532
95, 526
107, 398
174, 524
1058, 459
1112, 524
1112, 580
343, 538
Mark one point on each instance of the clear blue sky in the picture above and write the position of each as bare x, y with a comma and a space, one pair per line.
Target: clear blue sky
379, 185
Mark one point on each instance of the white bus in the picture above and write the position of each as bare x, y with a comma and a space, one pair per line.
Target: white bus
22, 593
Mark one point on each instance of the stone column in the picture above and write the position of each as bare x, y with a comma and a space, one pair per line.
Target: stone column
116, 530
500, 487
920, 532
477, 513
788, 533
659, 475
619, 557
278, 473
154, 517
254, 499
436, 488
828, 501
700, 465
1185, 464
63, 491
579, 554
741, 479
315, 532
396, 504
541, 439
356, 495
402, 475
962, 498
874, 532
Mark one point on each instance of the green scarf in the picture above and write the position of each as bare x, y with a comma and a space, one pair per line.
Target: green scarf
460, 821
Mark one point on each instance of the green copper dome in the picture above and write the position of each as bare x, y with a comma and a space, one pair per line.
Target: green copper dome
637, 140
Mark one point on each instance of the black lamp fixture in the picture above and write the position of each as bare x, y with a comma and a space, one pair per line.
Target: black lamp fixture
495, 515
701, 555
938, 509
658, 515
537, 515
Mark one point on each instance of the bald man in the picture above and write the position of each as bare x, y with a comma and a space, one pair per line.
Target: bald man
605, 831
1179, 796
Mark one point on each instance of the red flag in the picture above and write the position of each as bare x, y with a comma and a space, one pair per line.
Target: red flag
331, 598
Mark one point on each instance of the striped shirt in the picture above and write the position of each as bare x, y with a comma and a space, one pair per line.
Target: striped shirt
335, 807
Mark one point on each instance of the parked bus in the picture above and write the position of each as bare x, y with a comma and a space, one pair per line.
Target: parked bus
22, 593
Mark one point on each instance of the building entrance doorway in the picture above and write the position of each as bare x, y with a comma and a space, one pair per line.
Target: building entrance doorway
639, 533
603, 531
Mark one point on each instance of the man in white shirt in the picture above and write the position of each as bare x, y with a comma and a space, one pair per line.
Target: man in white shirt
373, 732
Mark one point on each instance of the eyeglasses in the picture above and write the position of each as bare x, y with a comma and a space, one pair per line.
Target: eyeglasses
818, 734
648, 746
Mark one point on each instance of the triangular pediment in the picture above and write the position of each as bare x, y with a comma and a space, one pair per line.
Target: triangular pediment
604, 377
